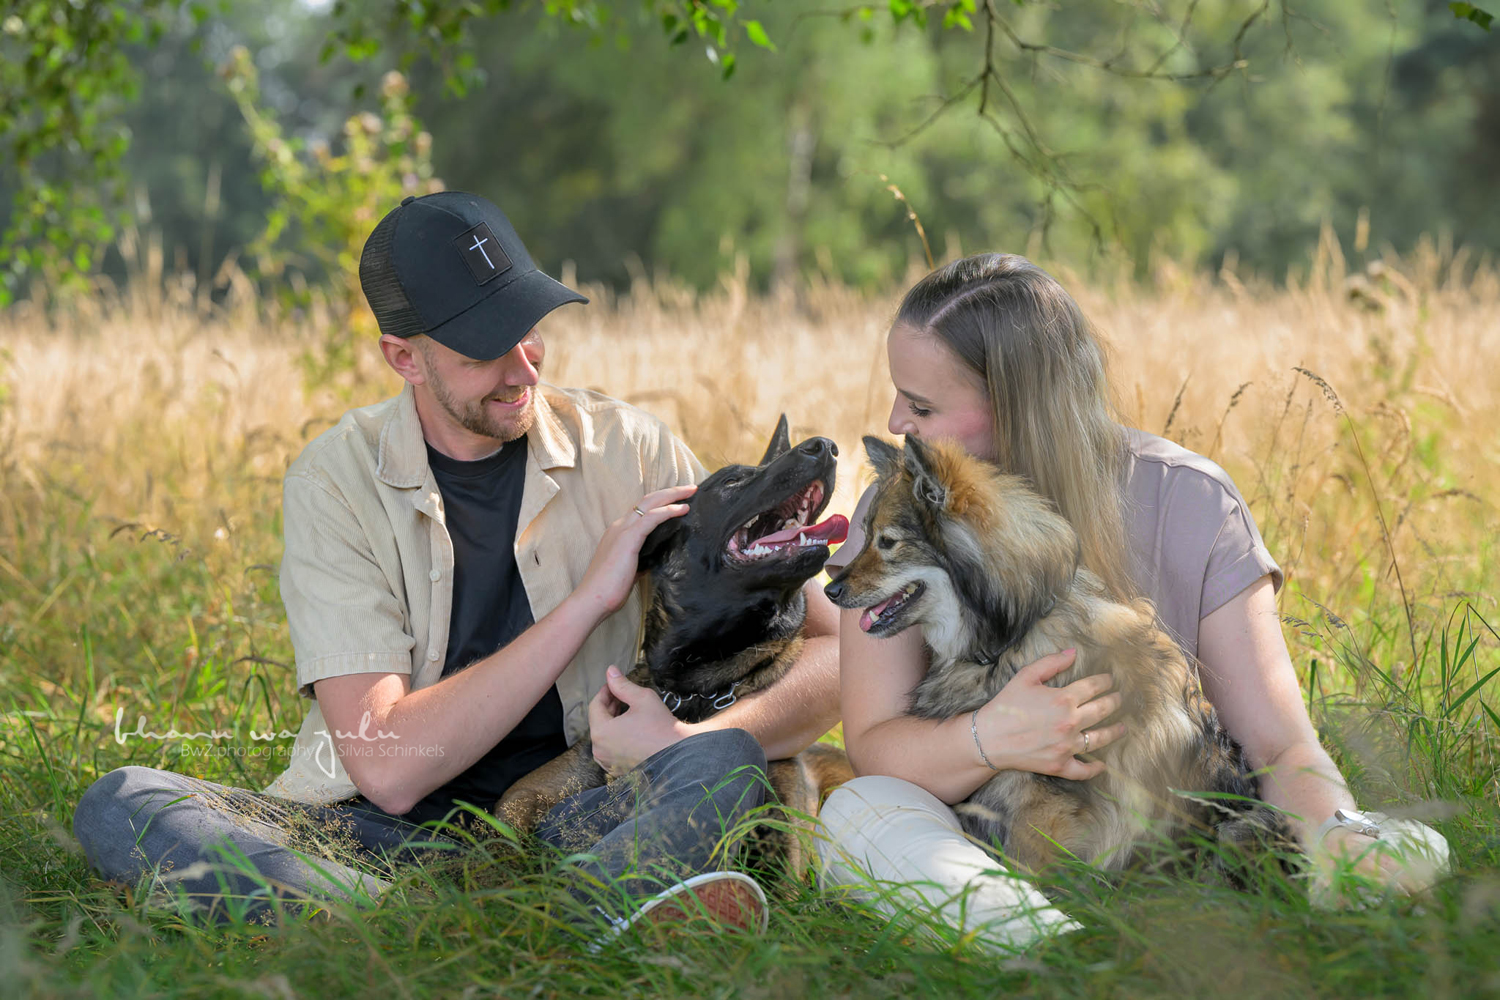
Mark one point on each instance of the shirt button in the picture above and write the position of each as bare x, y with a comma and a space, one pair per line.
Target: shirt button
432, 654
434, 576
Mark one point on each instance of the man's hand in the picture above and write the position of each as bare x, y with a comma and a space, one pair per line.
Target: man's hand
612, 572
628, 723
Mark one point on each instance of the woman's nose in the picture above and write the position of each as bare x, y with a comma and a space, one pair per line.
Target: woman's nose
899, 423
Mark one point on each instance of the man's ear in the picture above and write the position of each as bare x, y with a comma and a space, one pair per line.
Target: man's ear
781, 443
925, 484
401, 354
885, 456
659, 544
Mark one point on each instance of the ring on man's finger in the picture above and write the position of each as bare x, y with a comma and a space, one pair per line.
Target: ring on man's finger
639, 511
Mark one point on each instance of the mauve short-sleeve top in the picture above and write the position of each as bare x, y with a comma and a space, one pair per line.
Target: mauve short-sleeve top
1193, 543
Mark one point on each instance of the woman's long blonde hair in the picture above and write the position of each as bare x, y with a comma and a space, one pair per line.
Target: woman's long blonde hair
1043, 367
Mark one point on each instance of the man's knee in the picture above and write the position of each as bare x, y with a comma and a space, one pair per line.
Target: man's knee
729, 753
103, 813
113, 812
730, 763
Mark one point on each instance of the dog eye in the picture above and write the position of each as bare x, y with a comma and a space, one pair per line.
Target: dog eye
885, 543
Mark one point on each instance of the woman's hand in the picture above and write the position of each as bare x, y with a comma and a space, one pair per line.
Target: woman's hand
612, 572
1029, 726
1408, 857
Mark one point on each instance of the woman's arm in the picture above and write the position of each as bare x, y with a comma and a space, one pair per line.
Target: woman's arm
1027, 726
1248, 676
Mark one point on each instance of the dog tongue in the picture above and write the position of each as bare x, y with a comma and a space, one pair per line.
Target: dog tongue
835, 529
867, 619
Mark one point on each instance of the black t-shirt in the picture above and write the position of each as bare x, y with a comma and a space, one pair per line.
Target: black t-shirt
482, 501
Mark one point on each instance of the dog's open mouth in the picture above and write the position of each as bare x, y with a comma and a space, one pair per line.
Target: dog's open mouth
787, 529
887, 613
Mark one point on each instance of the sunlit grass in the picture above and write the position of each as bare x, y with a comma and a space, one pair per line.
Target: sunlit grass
143, 436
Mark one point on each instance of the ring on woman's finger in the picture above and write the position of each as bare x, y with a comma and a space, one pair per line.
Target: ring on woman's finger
639, 511
1086, 736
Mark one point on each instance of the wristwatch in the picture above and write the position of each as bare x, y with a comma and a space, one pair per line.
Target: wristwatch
1363, 823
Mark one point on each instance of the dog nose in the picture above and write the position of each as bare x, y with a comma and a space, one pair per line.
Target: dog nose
834, 590
817, 447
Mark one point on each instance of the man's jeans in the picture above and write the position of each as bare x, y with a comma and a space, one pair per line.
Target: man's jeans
659, 823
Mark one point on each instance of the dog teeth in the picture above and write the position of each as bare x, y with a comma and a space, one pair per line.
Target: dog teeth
901, 596
802, 541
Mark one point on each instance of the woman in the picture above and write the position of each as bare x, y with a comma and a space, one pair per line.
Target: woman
992, 352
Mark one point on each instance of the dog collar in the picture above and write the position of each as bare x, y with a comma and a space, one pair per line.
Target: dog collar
720, 701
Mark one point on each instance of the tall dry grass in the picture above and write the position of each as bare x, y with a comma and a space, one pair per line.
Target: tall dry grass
145, 431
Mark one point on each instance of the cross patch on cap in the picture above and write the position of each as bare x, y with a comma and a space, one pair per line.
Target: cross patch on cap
481, 251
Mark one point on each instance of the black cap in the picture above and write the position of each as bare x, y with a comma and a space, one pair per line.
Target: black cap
451, 266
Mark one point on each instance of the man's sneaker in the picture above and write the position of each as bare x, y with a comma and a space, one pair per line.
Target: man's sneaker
718, 899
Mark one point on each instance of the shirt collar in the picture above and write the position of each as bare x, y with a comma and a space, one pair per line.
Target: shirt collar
548, 439
403, 450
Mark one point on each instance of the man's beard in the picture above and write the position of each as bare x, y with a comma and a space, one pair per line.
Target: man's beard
474, 417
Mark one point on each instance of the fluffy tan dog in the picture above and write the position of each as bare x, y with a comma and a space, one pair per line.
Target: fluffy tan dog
991, 573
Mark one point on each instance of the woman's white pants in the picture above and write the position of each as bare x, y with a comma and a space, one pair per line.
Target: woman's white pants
898, 848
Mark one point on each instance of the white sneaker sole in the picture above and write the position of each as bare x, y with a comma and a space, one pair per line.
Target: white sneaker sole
717, 900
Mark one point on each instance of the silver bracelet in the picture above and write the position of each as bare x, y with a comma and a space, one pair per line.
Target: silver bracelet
973, 728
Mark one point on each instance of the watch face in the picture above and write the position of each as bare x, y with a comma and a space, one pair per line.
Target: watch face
1357, 821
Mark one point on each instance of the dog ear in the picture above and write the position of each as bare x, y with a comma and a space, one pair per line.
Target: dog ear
781, 443
927, 487
885, 456
661, 541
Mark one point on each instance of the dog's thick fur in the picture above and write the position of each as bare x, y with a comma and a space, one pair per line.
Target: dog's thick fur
724, 619
991, 572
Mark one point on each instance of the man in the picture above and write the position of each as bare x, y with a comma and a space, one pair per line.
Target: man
460, 582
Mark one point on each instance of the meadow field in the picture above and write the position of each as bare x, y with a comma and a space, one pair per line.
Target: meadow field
144, 432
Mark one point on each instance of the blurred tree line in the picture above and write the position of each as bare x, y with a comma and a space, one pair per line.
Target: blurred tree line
617, 151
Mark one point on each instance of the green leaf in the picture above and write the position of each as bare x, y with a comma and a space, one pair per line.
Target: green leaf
757, 35
1475, 687
1469, 12
956, 18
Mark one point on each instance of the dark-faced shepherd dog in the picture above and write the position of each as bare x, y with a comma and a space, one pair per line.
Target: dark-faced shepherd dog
991, 573
724, 619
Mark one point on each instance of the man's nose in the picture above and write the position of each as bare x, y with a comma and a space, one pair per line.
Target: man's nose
518, 367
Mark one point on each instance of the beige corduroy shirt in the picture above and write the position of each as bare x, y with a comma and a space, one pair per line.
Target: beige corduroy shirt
367, 573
